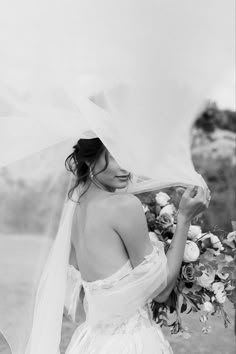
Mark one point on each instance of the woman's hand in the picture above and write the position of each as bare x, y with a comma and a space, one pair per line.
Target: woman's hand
194, 201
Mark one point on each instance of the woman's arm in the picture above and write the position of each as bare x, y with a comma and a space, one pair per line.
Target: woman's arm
128, 220
175, 256
192, 203
130, 223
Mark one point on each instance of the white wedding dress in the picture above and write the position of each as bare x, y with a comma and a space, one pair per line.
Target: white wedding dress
118, 315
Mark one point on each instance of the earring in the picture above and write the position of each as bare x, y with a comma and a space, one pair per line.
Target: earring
91, 173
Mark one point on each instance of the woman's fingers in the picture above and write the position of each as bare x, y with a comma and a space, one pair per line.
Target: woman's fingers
190, 191
203, 196
200, 193
208, 192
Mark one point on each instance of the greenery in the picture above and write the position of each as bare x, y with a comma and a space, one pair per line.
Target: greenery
213, 118
207, 275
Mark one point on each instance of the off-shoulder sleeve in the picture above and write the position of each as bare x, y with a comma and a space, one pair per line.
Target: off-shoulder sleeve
155, 241
73, 290
123, 296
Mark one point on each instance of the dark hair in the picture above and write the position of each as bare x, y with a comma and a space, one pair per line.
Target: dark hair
86, 150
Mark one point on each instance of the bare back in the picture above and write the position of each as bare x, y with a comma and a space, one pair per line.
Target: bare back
99, 249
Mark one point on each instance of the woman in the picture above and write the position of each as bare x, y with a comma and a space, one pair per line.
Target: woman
118, 266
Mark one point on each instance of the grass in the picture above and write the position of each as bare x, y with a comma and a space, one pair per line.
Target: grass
17, 272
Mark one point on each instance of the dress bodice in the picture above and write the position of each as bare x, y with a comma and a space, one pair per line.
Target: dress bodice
117, 308
126, 293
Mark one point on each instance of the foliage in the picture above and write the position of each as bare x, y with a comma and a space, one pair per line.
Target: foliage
213, 118
207, 275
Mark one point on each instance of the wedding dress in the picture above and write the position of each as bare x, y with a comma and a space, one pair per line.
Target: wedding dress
118, 315
134, 73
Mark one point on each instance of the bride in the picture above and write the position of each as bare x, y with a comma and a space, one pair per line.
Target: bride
115, 268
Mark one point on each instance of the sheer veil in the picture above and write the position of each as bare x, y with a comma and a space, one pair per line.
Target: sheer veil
133, 73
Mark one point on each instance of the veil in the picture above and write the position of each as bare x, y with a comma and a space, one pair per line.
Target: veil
133, 73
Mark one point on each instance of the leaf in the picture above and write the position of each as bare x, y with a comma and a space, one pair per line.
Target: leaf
194, 304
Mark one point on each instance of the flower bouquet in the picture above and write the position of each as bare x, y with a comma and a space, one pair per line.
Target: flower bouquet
207, 275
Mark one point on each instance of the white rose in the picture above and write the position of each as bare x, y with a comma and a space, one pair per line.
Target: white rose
191, 252
208, 307
162, 199
231, 236
231, 239
166, 220
221, 297
219, 292
217, 286
206, 279
194, 232
168, 209
215, 241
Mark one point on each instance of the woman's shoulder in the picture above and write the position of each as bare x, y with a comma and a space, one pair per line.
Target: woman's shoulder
124, 202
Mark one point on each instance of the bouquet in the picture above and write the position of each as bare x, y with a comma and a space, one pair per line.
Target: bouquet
207, 275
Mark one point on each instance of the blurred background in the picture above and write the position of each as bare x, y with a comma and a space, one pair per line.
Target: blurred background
213, 148
24, 197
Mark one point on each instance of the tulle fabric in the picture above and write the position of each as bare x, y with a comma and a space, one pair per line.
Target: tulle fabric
143, 340
118, 315
133, 73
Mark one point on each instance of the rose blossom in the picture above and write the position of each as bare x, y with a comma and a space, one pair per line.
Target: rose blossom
219, 292
194, 232
166, 220
231, 236
206, 279
168, 209
191, 252
217, 286
215, 241
162, 199
221, 297
208, 307
187, 272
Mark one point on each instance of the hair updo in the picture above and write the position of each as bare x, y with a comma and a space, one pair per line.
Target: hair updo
86, 150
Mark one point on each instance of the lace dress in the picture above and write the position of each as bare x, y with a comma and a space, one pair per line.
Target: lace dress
118, 315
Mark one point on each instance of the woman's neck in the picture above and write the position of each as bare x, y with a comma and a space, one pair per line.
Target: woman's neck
98, 185
94, 189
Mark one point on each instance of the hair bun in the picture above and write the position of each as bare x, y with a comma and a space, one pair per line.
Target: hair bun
76, 146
